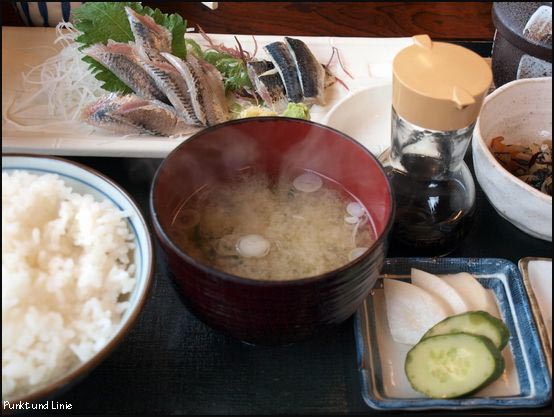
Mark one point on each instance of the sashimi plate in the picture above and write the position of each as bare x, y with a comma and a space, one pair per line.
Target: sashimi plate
31, 129
525, 382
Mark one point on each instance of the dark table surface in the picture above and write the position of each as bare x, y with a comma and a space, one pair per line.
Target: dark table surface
171, 363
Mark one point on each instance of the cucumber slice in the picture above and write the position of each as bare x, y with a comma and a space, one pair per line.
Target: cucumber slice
449, 366
479, 323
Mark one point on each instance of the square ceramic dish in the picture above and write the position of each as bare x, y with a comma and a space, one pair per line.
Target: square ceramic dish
537, 278
525, 382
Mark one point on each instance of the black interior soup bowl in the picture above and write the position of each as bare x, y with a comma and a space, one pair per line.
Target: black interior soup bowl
262, 311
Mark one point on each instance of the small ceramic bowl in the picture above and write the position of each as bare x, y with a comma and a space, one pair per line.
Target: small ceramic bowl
85, 180
365, 116
521, 112
261, 311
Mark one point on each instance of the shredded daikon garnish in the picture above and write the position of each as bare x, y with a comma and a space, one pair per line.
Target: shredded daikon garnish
63, 79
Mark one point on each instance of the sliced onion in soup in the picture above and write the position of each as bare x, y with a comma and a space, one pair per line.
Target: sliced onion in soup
355, 209
227, 245
253, 246
351, 219
356, 253
308, 182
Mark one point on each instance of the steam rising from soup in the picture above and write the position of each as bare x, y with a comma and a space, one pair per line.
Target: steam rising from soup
253, 227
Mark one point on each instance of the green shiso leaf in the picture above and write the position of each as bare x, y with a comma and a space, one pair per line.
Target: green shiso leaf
233, 70
99, 22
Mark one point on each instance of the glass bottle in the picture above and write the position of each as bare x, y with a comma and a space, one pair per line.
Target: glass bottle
438, 90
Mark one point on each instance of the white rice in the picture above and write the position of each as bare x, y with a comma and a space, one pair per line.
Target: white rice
66, 267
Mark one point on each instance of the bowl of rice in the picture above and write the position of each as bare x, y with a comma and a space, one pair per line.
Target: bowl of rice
77, 265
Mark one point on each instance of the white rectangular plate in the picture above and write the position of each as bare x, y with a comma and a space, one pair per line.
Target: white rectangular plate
32, 130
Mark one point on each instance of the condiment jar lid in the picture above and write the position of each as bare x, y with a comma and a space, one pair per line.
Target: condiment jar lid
439, 86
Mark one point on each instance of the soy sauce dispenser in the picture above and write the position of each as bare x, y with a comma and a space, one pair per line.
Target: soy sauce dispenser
438, 90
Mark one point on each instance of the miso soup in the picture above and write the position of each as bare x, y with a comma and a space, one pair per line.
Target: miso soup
255, 227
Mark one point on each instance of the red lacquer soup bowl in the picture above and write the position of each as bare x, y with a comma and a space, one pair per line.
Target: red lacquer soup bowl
260, 311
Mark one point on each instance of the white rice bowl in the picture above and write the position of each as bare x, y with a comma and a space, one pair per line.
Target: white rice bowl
67, 272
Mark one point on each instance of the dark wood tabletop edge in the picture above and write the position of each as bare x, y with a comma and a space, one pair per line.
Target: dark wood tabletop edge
441, 20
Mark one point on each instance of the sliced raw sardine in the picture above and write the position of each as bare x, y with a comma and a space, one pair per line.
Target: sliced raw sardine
159, 118
271, 89
284, 62
215, 81
256, 68
176, 89
268, 84
121, 59
206, 92
131, 114
310, 72
151, 39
